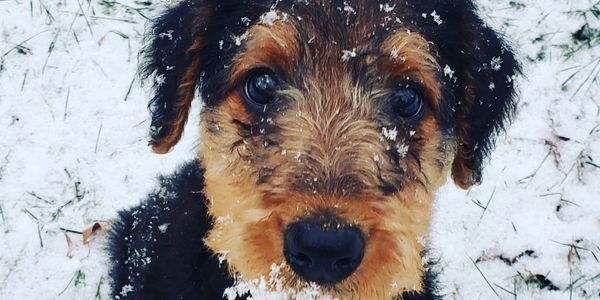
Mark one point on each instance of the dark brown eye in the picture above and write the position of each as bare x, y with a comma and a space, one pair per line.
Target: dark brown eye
260, 87
407, 102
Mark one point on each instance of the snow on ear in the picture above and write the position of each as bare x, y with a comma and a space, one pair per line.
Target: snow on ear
171, 59
485, 69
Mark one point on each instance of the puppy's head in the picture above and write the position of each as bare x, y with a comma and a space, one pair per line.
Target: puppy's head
328, 126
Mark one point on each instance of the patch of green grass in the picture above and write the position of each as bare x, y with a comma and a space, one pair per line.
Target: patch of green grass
537, 281
588, 35
517, 5
140, 7
79, 278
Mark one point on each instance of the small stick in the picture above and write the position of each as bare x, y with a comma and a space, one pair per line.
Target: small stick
67, 103
488, 203
49, 107
68, 284
97, 139
50, 16
571, 169
60, 208
569, 202
505, 289
588, 280
86, 19
50, 50
24, 79
113, 19
575, 248
4, 163
530, 177
70, 230
40, 235
23, 42
37, 221
130, 86
76, 38
485, 278
586, 79
98, 295
140, 123
137, 10
73, 22
2, 215
592, 164
32, 215
551, 194
40, 198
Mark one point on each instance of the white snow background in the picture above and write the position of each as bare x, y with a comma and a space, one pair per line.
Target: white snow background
73, 128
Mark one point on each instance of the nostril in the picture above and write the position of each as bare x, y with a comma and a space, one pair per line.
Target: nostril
345, 263
300, 260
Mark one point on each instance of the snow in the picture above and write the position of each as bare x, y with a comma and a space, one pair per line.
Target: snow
448, 71
73, 151
387, 7
390, 134
271, 16
348, 54
349, 9
436, 18
272, 288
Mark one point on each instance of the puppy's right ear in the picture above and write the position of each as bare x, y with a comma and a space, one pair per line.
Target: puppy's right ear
171, 58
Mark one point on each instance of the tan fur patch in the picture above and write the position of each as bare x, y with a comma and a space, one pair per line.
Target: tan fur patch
327, 152
410, 56
274, 46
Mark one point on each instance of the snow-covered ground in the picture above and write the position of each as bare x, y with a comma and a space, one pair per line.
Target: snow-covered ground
73, 125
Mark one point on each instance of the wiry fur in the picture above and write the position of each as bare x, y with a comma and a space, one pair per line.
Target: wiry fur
157, 249
325, 144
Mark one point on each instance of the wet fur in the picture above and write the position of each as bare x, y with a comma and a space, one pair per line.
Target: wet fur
318, 148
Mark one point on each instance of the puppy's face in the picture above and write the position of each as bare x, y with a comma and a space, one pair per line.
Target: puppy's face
328, 127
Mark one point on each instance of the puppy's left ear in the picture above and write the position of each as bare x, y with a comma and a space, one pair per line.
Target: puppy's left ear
485, 68
172, 58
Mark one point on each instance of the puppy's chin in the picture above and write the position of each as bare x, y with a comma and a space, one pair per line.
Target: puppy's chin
279, 285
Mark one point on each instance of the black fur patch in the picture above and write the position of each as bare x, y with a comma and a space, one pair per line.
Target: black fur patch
464, 43
164, 59
157, 250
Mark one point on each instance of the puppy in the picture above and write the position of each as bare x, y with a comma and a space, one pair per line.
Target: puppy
327, 128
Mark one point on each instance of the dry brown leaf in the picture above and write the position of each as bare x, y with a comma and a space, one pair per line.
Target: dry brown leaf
69, 246
98, 228
570, 258
555, 152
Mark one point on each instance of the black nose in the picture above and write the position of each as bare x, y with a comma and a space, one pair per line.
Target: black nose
323, 255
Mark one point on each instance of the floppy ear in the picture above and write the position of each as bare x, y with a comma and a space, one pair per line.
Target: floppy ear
485, 95
172, 59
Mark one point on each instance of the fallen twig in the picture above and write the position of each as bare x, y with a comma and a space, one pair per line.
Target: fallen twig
485, 278
98, 139
23, 42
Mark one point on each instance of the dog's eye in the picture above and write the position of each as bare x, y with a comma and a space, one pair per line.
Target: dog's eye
260, 87
407, 102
